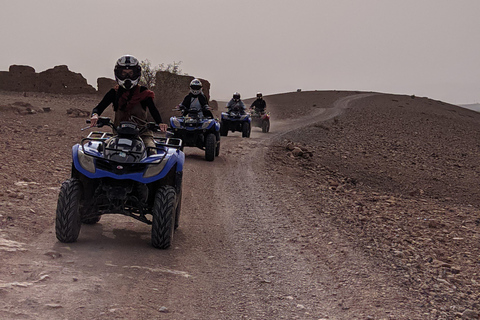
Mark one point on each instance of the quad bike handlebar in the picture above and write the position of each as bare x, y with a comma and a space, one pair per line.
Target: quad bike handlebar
106, 121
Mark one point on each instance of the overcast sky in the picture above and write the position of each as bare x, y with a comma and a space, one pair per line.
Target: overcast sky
423, 47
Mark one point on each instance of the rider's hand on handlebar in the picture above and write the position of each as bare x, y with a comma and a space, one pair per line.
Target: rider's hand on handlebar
163, 127
93, 120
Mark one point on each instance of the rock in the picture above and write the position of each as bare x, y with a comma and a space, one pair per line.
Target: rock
164, 310
78, 113
297, 152
290, 146
53, 254
455, 270
434, 224
470, 314
398, 253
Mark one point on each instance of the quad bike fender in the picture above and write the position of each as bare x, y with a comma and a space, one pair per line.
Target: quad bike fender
85, 164
208, 124
174, 123
217, 126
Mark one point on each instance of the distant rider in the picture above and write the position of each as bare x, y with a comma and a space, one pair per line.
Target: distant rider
196, 101
259, 105
236, 104
129, 99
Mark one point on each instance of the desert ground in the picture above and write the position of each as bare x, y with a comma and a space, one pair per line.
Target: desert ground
356, 205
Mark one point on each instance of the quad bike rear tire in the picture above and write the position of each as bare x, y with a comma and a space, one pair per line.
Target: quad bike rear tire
210, 146
163, 217
265, 126
68, 221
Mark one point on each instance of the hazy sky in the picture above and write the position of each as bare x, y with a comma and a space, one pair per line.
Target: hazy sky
423, 47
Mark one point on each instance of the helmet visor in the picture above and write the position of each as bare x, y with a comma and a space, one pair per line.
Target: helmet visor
126, 73
195, 87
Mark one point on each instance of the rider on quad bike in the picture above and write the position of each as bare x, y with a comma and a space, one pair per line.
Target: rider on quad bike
260, 118
197, 126
130, 100
195, 101
236, 104
259, 105
236, 118
130, 171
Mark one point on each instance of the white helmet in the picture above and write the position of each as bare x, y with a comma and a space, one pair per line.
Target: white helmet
259, 95
236, 96
196, 87
127, 71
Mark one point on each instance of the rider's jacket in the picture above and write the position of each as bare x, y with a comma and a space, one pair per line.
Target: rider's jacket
236, 105
196, 103
259, 105
127, 103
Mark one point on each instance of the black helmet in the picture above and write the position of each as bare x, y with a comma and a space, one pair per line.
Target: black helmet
127, 71
236, 96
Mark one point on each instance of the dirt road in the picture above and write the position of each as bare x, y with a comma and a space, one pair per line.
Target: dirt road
237, 254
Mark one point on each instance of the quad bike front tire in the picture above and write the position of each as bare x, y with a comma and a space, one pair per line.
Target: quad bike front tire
68, 221
217, 149
163, 217
223, 129
178, 209
265, 126
210, 147
246, 130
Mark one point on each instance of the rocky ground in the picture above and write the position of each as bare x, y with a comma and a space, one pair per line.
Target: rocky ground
392, 177
399, 176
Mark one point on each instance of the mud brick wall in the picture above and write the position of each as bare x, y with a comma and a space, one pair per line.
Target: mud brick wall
170, 89
56, 80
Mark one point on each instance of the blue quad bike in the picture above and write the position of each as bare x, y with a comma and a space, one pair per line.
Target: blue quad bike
234, 120
197, 131
116, 174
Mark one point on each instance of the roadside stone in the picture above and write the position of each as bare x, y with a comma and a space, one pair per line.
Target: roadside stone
290, 146
297, 152
164, 310
53, 254
470, 314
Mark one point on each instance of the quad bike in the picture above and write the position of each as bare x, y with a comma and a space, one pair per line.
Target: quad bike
116, 174
261, 119
197, 131
234, 120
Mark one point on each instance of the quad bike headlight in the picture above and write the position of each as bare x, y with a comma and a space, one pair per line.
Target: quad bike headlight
206, 124
176, 123
86, 161
155, 168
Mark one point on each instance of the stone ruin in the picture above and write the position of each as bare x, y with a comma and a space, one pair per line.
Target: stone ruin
170, 89
104, 85
56, 80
